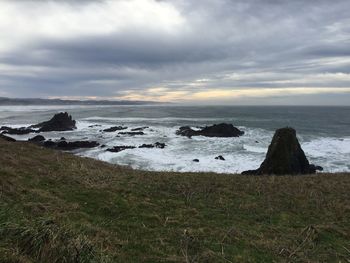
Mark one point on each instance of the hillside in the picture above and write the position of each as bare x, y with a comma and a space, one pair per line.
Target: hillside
56, 207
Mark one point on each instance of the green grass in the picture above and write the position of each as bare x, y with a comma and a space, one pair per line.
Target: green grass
56, 207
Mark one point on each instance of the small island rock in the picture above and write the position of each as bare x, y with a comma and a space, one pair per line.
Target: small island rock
284, 156
59, 122
216, 130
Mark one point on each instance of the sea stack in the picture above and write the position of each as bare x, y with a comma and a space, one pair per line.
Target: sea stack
59, 122
284, 156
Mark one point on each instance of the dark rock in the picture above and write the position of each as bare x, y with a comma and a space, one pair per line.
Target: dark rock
186, 131
220, 158
115, 128
318, 168
195, 160
62, 144
59, 122
95, 125
146, 146
76, 145
38, 138
49, 143
63, 139
156, 145
7, 138
160, 145
116, 149
140, 128
250, 172
67, 146
17, 131
284, 156
313, 168
131, 133
103, 146
216, 130
4, 128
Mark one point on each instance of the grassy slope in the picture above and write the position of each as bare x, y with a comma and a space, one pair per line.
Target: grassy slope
56, 207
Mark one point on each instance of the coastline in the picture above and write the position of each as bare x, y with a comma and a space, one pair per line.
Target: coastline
321, 132
110, 213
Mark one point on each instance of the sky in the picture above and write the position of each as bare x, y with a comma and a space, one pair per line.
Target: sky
235, 52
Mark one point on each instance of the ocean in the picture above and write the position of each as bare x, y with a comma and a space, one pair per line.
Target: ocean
324, 134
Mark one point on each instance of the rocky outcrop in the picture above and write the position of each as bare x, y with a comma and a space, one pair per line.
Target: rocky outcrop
49, 143
38, 138
59, 122
7, 138
216, 130
16, 131
115, 128
64, 145
116, 149
284, 156
195, 160
68, 146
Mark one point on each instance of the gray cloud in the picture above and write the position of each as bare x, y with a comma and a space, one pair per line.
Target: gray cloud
198, 46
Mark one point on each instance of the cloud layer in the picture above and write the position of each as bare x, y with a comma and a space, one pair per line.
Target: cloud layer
256, 52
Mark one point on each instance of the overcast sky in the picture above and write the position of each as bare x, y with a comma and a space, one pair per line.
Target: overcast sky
208, 51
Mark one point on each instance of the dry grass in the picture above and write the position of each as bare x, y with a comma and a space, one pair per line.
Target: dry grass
98, 212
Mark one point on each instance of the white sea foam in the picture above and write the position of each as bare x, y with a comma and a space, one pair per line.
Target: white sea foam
331, 153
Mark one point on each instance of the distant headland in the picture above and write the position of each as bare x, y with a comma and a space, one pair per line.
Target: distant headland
39, 101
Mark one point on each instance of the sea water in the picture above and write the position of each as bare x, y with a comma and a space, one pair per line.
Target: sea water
324, 133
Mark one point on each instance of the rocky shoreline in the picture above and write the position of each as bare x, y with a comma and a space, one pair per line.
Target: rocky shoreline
284, 155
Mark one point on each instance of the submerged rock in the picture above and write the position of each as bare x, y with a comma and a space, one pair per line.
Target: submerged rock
59, 122
116, 149
131, 133
160, 145
195, 160
220, 157
216, 130
156, 145
38, 138
140, 128
115, 128
284, 156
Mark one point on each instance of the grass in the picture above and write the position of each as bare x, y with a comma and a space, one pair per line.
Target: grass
56, 207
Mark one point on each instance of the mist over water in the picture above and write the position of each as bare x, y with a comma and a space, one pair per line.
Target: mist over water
323, 133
